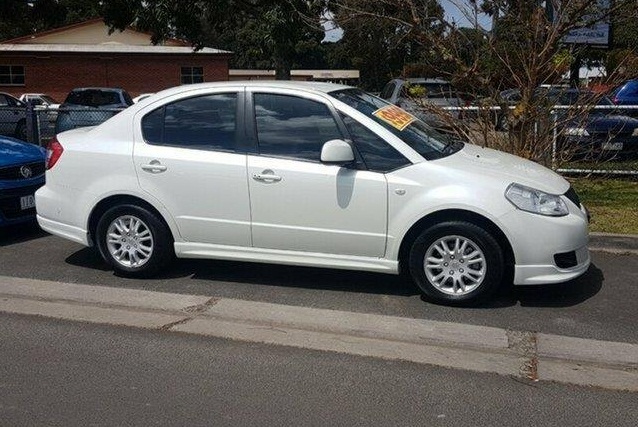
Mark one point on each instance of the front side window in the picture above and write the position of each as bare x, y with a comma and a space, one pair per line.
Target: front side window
190, 75
12, 75
204, 122
377, 154
289, 126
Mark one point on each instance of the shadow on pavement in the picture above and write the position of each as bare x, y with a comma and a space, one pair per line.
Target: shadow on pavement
87, 258
265, 274
566, 294
298, 277
14, 234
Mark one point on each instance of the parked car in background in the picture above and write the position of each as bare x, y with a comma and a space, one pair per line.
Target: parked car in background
90, 106
47, 112
13, 115
597, 133
626, 93
309, 174
21, 174
415, 95
39, 100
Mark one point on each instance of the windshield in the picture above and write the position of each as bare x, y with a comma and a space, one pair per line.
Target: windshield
419, 136
49, 100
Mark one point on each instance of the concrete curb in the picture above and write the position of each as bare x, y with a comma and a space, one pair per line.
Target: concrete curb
614, 243
476, 348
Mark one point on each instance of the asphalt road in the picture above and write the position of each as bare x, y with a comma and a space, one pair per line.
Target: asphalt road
57, 373
602, 304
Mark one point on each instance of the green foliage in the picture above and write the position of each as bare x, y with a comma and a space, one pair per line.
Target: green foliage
262, 33
21, 18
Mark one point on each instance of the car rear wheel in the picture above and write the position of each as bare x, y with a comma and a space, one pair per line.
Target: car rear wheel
456, 263
134, 241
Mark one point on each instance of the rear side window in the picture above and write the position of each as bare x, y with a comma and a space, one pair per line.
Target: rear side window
289, 126
203, 122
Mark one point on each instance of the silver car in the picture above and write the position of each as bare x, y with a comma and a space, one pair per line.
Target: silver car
419, 95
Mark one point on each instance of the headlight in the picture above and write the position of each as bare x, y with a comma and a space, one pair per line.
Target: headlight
576, 131
536, 201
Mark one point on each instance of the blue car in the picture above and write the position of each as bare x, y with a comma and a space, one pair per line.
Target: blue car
626, 94
22, 167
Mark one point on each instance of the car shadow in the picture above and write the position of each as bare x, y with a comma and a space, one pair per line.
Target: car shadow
87, 258
258, 274
11, 235
566, 294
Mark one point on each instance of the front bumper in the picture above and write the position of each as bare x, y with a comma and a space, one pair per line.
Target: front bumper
11, 211
542, 244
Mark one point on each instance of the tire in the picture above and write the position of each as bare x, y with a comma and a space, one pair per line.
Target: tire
134, 241
456, 263
21, 130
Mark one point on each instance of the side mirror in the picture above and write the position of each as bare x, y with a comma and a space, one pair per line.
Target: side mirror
337, 152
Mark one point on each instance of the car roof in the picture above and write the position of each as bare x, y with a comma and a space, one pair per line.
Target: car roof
79, 89
427, 80
310, 86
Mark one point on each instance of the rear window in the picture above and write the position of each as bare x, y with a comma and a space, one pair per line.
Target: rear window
93, 98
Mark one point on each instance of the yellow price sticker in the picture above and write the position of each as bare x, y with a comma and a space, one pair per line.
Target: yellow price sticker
395, 116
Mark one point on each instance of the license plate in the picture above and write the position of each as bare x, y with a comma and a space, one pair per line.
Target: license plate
27, 202
612, 146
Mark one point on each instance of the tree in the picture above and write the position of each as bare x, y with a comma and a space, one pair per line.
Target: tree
264, 33
21, 18
524, 49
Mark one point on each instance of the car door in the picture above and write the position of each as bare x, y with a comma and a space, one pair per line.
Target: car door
298, 203
188, 159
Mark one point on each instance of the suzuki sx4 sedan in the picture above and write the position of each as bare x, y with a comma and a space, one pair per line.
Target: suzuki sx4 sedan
309, 174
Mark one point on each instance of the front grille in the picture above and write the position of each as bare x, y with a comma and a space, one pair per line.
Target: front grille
566, 259
573, 197
10, 202
11, 173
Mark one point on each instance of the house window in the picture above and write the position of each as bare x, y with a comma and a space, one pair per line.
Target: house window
12, 75
192, 75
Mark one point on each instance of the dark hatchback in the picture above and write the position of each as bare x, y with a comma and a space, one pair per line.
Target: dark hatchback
601, 132
22, 168
90, 106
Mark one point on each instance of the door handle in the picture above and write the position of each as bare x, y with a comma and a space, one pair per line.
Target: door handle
266, 177
154, 167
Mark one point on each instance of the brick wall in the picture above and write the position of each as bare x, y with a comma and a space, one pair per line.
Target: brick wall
57, 74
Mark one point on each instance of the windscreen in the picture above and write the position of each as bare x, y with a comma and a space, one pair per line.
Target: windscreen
422, 138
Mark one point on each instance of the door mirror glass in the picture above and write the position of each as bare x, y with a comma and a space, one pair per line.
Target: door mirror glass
337, 152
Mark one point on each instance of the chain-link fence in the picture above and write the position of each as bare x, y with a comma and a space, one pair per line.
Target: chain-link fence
38, 125
600, 140
583, 139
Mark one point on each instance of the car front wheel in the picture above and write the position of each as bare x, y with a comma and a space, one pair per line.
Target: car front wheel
134, 241
456, 263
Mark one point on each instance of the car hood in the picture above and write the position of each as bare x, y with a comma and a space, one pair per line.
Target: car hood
611, 123
13, 151
504, 167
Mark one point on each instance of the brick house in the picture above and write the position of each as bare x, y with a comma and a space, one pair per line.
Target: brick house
84, 54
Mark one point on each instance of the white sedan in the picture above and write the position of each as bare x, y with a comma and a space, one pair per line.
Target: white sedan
309, 174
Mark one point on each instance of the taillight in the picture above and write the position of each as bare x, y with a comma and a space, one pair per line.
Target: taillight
54, 152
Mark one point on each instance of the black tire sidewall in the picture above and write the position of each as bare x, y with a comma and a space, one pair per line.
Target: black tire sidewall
162, 240
491, 250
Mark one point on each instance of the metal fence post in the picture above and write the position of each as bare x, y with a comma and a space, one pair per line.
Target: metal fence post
554, 138
33, 136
